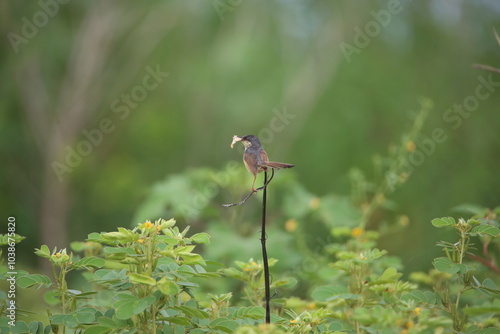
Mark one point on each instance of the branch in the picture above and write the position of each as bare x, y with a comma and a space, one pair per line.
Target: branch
486, 262
486, 67
243, 201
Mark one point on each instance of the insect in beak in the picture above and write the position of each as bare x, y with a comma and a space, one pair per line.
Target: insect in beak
235, 140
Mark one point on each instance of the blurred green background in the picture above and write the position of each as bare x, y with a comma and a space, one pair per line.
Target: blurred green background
117, 111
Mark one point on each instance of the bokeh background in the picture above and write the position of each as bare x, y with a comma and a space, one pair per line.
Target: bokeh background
113, 112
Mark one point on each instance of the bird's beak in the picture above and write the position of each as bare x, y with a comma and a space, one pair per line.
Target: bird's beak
235, 140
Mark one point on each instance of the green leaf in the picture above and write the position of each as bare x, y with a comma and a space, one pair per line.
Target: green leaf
143, 303
20, 328
77, 246
233, 272
44, 251
89, 262
141, 279
70, 321
85, 315
192, 312
389, 275
431, 297
288, 282
122, 236
228, 326
489, 283
421, 297
444, 264
332, 292
192, 258
94, 236
201, 238
168, 239
98, 330
486, 229
252, 312
323, 293
335, 326
182, 321
442, 222
6, 239
51, 297
125, 311
184, 249
36, 327
30, 280
491, 330
167, 287
118, 253
463, 268
125, 306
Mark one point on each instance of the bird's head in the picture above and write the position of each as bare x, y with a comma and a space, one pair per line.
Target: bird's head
248, 141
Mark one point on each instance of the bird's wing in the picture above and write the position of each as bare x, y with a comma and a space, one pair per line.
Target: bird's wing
263, 156
251, 163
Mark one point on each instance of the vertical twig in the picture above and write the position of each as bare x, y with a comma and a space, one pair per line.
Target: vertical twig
263, 238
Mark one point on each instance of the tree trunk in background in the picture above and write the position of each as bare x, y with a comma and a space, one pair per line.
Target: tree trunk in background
57, 120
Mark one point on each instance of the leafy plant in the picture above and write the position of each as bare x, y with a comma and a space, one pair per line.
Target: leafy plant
143, 281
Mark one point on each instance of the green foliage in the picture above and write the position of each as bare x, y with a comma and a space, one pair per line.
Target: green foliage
154, 278
146, 280
150, 273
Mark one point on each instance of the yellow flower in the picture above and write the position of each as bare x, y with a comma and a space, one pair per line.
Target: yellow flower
417, 310
262, 327
291, 225
311, 306
148, 224
357, 232
314, 203
410, 146
404, 220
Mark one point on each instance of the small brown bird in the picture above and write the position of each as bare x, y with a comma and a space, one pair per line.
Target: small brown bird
255, 157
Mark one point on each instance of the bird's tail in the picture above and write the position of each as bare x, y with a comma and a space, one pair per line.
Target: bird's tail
276, 165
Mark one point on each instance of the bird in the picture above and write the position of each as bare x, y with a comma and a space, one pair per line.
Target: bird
255, 157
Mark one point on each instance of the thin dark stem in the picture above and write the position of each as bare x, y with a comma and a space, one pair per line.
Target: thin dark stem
263, 237
264, 252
